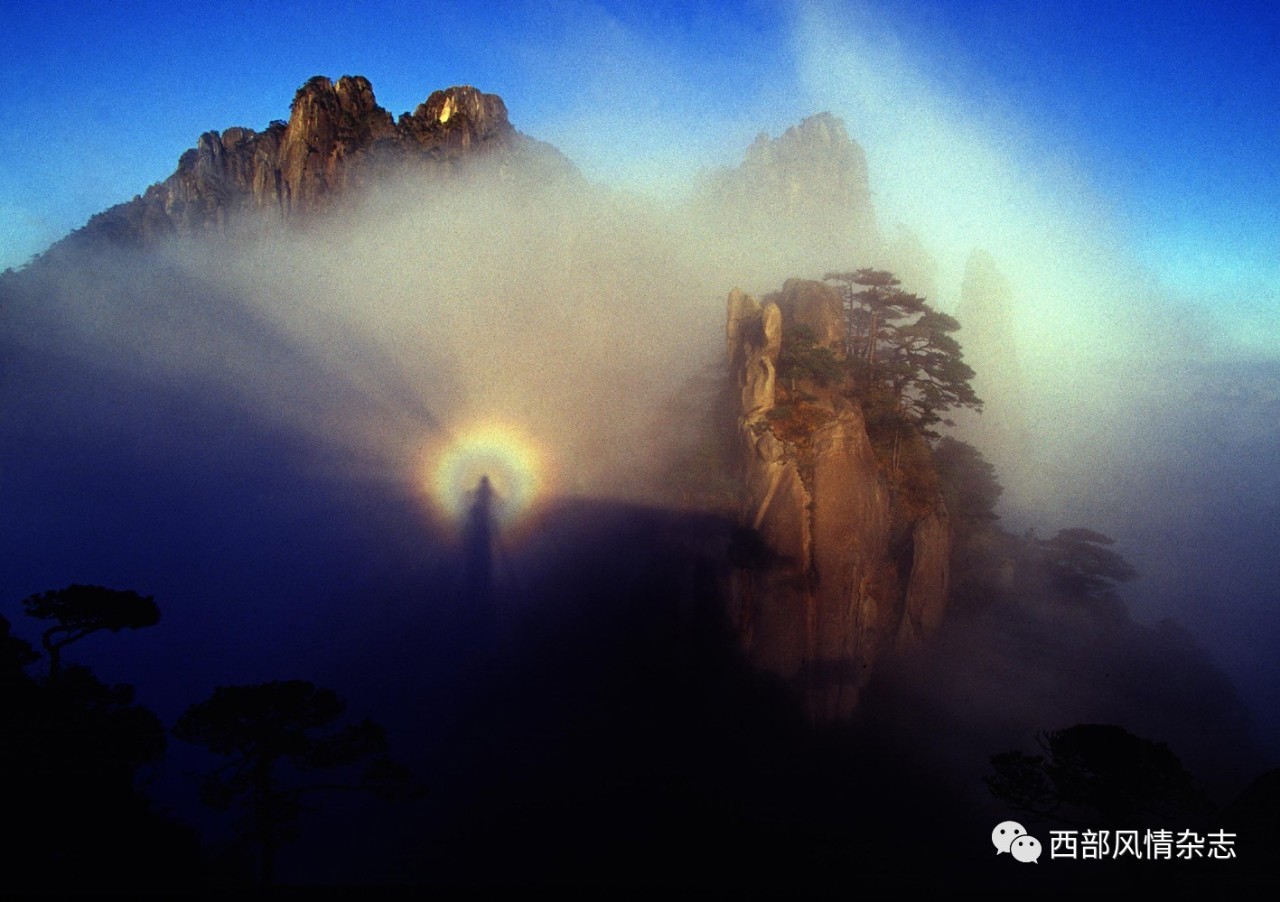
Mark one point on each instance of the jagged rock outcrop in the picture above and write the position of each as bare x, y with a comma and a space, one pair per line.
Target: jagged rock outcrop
813, 171
843, 572
801, 199
755, 337
337, 141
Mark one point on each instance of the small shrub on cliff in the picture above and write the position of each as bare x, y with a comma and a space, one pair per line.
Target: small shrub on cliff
802, 358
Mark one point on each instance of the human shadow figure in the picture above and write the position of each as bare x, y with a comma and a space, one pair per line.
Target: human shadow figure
486, 584
477, 549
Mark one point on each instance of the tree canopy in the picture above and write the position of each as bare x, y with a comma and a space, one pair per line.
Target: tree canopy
905, 361
1097, 773
968, 481
81, 610
261, 727
872, 311
1080, 564
72, 749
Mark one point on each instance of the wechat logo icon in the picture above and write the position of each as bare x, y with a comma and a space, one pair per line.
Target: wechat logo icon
1012, 837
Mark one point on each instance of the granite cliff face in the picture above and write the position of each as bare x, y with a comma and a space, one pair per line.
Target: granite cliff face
336, 142
846, 571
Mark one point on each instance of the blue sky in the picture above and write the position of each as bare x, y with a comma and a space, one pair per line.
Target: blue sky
1154, 122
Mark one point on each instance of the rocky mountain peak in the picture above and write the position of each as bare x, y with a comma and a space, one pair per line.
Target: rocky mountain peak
803, 196
986, 312
485, 112
337, 141
820, 139
351, 94
461, 117
813, 165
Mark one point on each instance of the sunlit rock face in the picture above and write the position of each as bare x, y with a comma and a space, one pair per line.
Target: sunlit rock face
460, 118
844, 571
331, 127
336, 142
755, 337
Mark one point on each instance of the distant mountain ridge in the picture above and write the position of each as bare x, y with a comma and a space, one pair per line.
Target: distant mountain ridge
801, 199
337, 140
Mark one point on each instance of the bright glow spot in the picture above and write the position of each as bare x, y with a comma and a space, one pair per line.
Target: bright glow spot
508, 457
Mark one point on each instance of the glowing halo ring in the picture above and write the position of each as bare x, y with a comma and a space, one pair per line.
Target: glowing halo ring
506, 456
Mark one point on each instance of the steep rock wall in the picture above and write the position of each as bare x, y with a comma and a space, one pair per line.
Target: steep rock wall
843, 579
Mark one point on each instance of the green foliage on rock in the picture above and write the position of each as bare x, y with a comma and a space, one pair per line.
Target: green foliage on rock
902, 356
801, 357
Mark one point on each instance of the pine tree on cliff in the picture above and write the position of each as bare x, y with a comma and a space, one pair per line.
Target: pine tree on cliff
906, 364
927, 373
1078, 564
872, 311
78, 611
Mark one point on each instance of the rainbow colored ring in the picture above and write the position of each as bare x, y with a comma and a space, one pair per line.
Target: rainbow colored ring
499, 451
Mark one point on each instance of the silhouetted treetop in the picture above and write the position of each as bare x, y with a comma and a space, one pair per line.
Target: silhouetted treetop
258, 727
1079, 563
71, 750
1098, 773
81, 610
15, 654
270, 719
